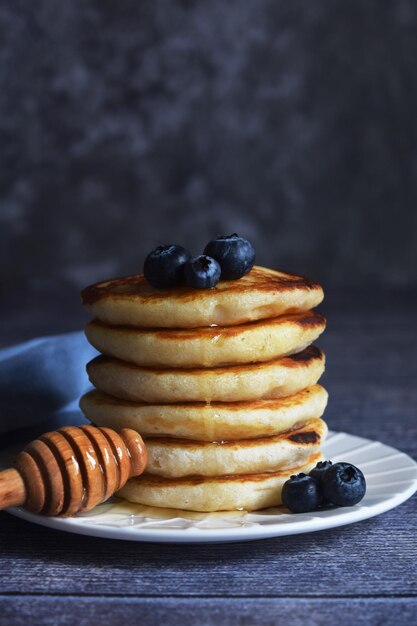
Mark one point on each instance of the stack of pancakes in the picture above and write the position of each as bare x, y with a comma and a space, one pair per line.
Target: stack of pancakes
221, 383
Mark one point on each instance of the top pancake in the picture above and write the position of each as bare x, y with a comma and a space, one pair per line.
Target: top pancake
263, 293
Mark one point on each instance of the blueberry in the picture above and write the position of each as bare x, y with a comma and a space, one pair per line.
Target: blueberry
164, 266
235, 255
343, 484
202, 272
318, 471
301, 494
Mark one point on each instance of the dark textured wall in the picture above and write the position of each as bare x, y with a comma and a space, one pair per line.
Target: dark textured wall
126, 124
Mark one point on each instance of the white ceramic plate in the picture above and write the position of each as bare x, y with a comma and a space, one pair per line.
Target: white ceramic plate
391, 478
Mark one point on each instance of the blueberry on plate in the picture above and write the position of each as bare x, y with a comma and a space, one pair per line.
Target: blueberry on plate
202, 272
343, 484
234, 254
301, 494
164, 266
318, 471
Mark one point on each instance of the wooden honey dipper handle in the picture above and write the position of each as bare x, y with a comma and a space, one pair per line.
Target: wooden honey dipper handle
72, 469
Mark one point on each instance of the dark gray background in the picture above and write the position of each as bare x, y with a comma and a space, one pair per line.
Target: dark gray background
129, 124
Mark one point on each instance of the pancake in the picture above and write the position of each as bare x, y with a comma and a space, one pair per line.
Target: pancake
217, 421
176, 458
220, 493
273, 379
263, 293
211, 346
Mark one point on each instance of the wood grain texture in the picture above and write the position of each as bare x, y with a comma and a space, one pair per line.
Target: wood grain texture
52, 611
12, 489
374, 557
362, 573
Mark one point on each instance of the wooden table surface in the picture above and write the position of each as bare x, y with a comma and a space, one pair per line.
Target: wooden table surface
364, 573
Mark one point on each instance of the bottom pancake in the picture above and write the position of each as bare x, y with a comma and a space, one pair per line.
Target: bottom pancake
220, 493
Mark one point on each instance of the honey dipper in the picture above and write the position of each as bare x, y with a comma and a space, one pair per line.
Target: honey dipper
72, 469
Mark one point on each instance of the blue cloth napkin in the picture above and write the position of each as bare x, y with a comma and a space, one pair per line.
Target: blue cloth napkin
42, 380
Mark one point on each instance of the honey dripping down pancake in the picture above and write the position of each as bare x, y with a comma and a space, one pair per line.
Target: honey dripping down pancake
273, 379
262, 293
216, 421
211, 346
